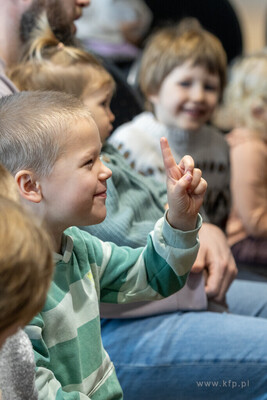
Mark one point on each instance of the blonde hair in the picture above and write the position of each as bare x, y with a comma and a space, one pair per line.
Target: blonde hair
174, 45
8, 187
246, 90
26, 265
49, 65
34, 128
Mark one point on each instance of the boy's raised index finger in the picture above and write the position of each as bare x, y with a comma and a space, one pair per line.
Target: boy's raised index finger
185, 165
168, 159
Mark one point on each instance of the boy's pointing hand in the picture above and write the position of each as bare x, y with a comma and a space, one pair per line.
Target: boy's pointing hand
185, 187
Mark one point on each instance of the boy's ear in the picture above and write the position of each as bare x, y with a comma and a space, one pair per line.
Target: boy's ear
153, 98
29, 187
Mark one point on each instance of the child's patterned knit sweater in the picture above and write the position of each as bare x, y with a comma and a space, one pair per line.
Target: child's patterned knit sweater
139, 142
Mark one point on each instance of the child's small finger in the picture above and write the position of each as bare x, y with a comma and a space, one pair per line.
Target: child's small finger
186, 164
185, 181
197, 173
201, 187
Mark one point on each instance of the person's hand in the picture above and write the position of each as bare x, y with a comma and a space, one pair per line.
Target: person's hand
185, 188
216, 259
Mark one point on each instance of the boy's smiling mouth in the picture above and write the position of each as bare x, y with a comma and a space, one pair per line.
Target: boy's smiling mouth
194, 112
102, 194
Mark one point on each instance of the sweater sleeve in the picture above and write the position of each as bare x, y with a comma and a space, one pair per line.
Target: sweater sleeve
48, 386
153, 272
248, 187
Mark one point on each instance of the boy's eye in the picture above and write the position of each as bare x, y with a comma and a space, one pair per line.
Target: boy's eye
212, 88
105, 103
89, 163
185, 83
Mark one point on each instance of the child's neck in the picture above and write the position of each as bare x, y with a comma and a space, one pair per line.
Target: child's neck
56, 235
54, 230
58, 245
56, 240
177, 128
174, 126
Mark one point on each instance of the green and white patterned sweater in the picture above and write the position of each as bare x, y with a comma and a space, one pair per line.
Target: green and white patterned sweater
70, 358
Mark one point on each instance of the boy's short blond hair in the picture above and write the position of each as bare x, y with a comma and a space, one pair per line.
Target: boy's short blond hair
175, 45
49, 65
34, 128
26, 265
246, 90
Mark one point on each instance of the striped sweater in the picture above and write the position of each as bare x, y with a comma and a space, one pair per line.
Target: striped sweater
70, 358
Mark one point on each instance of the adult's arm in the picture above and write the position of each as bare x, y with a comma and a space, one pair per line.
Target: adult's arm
249, 185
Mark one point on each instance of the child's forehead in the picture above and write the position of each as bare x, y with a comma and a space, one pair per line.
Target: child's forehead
87, 123
104, 89
83, 133
190, 67
76, 126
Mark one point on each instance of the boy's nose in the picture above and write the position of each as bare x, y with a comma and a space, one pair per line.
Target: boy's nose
83, 3
111, 116
197, 93
105, 172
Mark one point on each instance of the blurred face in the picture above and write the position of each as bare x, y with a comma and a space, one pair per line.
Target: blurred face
99, 105
187, 97
71, 8
61, 15
75, 191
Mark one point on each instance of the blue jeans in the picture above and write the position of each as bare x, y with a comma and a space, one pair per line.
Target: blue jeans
194, 355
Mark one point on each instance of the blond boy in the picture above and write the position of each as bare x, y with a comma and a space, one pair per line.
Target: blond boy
59, 174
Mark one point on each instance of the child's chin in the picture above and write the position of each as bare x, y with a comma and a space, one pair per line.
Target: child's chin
97, 220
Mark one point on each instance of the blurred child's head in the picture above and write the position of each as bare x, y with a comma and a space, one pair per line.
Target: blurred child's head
26, 266
51, 144
245, 101
53, 66
183, 74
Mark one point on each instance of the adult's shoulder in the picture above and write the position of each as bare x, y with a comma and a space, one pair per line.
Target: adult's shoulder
245, 137
6, 86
